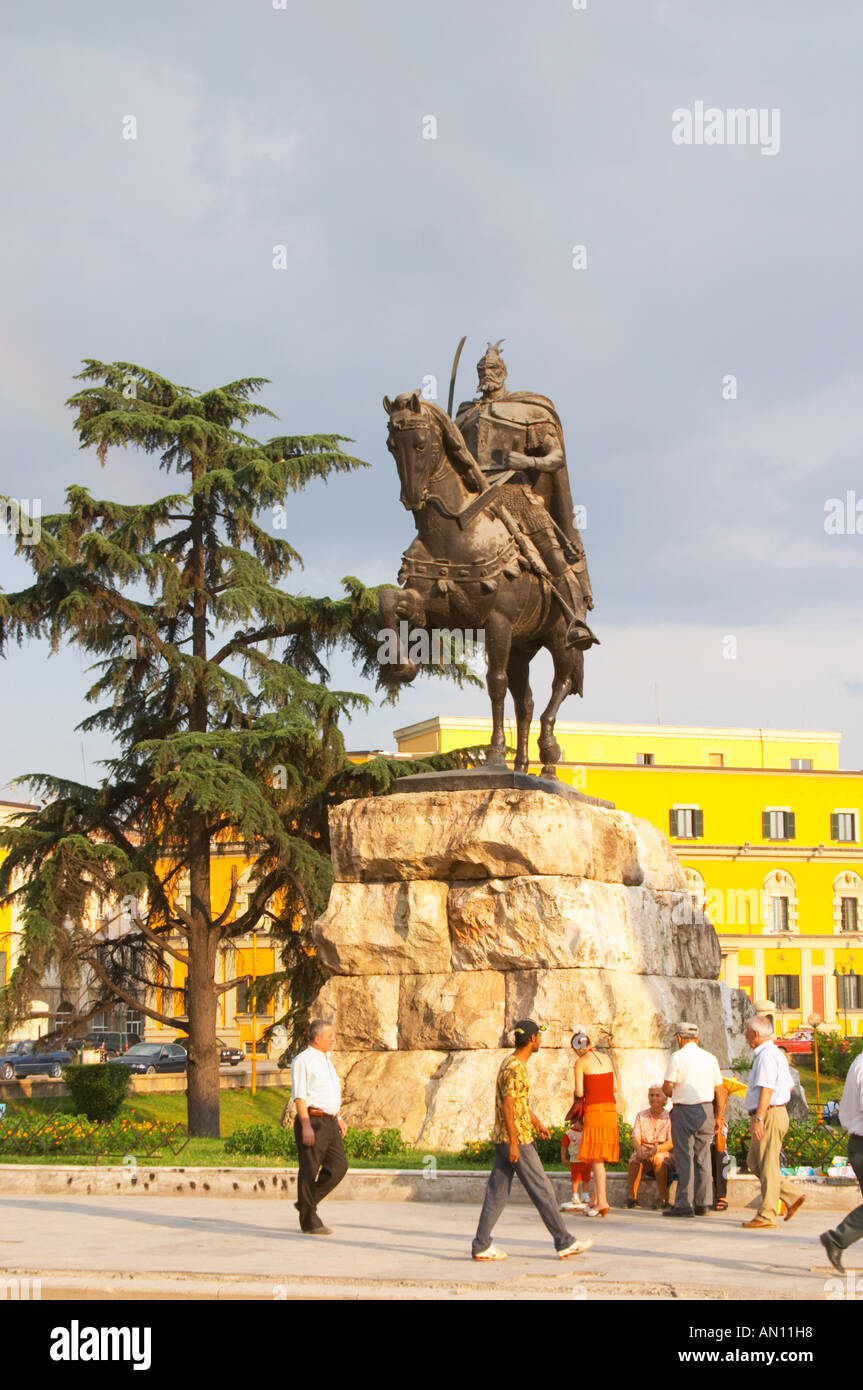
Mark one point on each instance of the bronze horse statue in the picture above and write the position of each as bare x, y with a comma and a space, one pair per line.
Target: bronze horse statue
466, 569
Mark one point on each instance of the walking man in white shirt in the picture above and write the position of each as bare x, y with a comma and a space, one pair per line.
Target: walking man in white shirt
319, 1128
767, 1097
693, 1081
851, 1118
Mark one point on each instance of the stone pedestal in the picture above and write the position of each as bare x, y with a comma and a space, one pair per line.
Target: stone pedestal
456, 912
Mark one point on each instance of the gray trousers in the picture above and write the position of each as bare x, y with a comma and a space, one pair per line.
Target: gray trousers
692, 1135
536, 1184
851, 1228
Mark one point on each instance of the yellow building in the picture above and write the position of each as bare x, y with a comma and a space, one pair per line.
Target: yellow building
251, 955
767, 827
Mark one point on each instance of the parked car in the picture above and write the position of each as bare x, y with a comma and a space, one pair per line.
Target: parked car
114, 1043
230, 1056
29, 1059
798, 1041
149, 1058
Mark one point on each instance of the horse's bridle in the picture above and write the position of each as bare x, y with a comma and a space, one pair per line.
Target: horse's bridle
436, 466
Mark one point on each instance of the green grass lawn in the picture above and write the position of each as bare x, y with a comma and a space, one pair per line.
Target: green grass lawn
831, 1086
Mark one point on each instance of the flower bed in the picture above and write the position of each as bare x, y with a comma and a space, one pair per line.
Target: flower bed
76, 1136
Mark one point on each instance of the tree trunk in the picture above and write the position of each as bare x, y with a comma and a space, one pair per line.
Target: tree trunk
202, 1091
203, 1071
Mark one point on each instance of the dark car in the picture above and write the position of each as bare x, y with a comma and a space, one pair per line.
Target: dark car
149, 1058
113, 1043
31, 1059
230, 1056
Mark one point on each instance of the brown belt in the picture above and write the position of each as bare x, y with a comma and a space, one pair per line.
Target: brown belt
313, 1110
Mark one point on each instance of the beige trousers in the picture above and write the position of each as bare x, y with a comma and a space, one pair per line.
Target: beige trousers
763, 1161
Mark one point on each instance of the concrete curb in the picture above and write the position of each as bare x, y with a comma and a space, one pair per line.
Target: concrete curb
360, 1185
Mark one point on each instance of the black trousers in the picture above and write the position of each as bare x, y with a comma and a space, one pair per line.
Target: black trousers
719, 1162
851, 1228
322, 1166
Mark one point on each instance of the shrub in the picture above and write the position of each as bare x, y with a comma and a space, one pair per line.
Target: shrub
97, 1090
271, 1141
812, 1145
835, 1053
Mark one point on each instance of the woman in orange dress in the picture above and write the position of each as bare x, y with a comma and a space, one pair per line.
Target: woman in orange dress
600, 1142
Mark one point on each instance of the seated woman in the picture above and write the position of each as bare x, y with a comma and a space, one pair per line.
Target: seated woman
651, 1147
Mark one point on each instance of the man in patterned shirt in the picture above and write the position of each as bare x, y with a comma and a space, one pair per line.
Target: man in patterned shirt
515, 1153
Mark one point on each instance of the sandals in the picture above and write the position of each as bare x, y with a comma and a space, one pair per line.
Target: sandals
721, 1205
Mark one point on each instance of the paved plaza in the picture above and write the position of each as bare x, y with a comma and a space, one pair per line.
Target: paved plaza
162, 1247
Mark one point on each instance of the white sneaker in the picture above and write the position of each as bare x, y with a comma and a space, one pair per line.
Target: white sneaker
574, 1204
578, 1247
492, 1254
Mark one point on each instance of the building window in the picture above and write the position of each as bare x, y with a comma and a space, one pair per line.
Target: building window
779, 902
847, 901
777, 824
243, 997
843, 827
801, 764
644, 759
784, 990
686, 822
849, 992
716, 759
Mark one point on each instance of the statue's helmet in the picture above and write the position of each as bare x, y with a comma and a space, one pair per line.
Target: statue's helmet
491, 363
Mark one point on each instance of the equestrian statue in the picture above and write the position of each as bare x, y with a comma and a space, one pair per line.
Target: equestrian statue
497, 547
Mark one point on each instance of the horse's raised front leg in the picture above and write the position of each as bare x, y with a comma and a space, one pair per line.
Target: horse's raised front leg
399, 605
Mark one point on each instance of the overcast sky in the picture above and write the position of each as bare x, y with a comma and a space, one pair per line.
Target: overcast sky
303, 127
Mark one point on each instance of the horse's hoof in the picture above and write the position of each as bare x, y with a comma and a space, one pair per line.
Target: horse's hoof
406, 672
549, 771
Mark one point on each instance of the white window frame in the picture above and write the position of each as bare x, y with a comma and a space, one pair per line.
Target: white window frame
778, 810
686, 806
849, 811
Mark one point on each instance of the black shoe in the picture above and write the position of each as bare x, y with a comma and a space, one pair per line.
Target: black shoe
834, 1251
317, 1231
700, 1211
679, 1211
630, 1203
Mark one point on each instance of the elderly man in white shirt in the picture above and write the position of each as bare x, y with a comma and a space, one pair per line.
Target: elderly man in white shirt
319, 1128
766, 1100
851, 1118
694, 1082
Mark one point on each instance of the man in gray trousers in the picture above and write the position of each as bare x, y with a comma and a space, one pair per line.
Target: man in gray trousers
693, 1081
515, 1153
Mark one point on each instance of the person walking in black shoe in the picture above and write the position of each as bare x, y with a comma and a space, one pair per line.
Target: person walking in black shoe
319, 1128
851, 1118
694, 1082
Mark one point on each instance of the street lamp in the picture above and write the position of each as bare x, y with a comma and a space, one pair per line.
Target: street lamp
815, 1020
845, 972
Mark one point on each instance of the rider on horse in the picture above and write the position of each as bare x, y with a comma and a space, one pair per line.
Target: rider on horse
520, 430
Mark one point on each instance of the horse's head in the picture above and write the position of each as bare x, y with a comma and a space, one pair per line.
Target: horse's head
415, 443
422, 436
